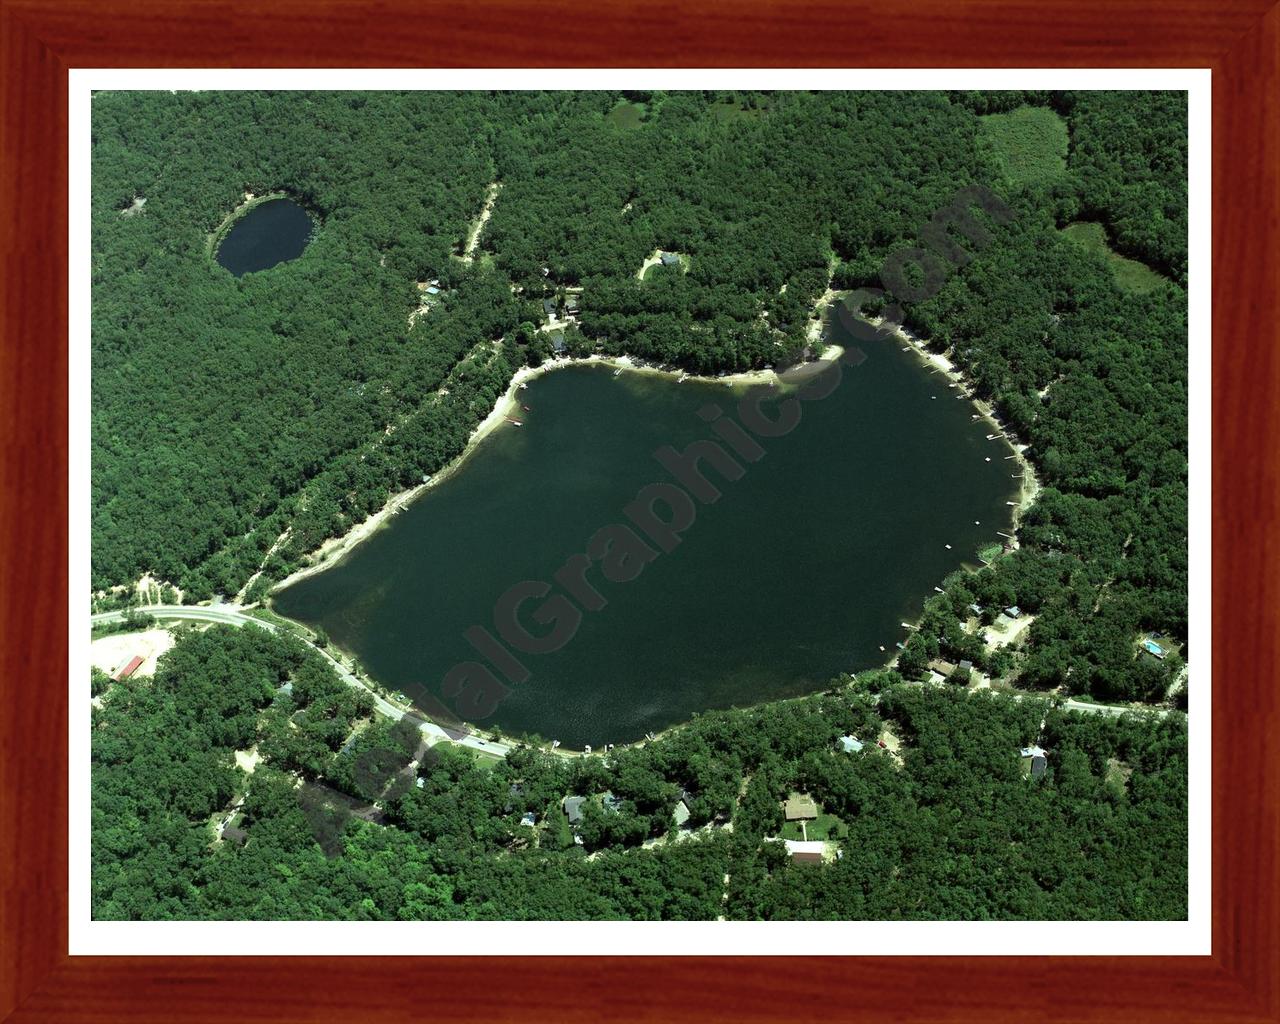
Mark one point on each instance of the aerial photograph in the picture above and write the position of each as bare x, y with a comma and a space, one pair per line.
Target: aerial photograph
651, 505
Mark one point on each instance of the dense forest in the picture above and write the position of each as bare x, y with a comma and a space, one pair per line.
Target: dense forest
239, 422
949, 827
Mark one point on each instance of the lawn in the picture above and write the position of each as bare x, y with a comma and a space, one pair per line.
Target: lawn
824, 826
659, 269
990, 552
1030, 143
558, 823
484, 758
1130, 275
730, 110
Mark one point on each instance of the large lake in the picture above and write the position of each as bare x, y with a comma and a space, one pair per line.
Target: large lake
270, 233
803, 569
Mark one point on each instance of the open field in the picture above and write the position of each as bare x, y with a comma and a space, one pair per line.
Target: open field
1030, 143
627, 114
1130, 275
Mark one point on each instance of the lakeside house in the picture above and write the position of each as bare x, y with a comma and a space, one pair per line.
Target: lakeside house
559, 347
1013, 611
943, 668
850, 744
670, 259
549, 306
572, 806
800, 807
529, 819
681, 813
1034, 760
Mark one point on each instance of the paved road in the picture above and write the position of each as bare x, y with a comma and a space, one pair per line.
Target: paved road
233, 615
1110, 709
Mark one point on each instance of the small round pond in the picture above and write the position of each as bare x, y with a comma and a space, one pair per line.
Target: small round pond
270, 233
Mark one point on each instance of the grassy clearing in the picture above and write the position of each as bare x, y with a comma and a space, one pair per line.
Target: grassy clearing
730, 110
484, 758
627, 114
658, 269
1130, 275
1030, 143
558, 825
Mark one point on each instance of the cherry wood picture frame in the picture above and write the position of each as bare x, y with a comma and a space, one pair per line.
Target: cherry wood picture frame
41, 39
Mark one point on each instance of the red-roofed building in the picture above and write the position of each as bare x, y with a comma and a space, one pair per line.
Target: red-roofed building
134, 664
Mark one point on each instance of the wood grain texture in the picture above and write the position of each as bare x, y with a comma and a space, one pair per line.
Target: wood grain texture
39, 41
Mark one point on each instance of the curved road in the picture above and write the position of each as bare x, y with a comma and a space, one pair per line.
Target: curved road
233, 615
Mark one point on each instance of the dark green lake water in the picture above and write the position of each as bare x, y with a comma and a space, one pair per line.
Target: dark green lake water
803, 568
270, 233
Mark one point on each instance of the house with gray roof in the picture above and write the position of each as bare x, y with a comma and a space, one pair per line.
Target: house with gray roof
572, 806
1034, 760
800, 807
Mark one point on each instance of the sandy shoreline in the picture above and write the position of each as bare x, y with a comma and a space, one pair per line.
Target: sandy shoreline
1030, 484
333, 550
819, 321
